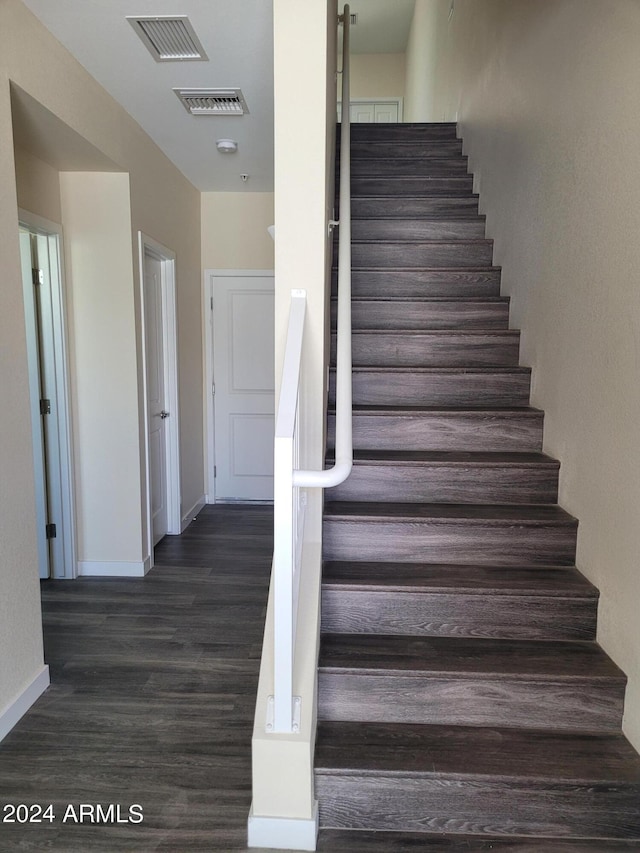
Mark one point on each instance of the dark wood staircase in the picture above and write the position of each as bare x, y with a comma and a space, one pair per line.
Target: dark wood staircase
462, 695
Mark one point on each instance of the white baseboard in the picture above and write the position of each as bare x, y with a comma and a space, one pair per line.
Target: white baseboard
188, 517
19, 707
99, 568
283, 833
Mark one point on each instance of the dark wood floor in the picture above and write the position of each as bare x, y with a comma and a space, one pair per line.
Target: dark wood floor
152, 697
152, 702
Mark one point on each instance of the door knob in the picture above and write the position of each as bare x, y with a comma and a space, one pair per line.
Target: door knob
164, 415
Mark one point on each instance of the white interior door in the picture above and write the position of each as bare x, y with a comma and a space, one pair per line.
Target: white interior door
48, 389
374, 110
156, 404
243, 373
386, 113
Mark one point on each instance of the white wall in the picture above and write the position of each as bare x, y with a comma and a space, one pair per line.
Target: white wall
304, 39
547, 94
163, 205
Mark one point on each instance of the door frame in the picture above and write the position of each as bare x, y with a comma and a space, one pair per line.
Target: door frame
167, 258
65, 566
208, 290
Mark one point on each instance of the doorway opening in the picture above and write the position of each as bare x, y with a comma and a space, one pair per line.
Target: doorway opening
160, 390
44, 303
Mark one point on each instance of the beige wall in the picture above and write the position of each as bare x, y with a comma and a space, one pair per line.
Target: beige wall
427, 29
38, 186
100, 301
20, 621
163, 205
547, 94
234, 231
376, 75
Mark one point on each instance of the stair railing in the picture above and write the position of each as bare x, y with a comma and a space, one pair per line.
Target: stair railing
289, 480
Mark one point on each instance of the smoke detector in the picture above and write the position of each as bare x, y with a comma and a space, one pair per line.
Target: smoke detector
168, 38
226, 146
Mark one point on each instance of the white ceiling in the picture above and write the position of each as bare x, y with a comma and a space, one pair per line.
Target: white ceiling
238, 39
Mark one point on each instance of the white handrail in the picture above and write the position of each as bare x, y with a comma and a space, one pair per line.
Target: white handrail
344, 435
283, 713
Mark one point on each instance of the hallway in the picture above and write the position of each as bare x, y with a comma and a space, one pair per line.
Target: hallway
152, 697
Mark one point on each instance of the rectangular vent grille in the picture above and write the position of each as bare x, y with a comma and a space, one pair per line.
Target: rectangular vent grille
213, 102
169, 38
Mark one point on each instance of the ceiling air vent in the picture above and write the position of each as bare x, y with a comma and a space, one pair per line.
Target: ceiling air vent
213, 102
168, 38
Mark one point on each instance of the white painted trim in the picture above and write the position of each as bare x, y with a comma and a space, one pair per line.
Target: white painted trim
283, 833
100, 568
172, 424
208, 368
64, 566
189, 516
13, 713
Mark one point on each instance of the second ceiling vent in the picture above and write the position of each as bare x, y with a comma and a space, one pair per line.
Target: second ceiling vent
213, 102
168, 38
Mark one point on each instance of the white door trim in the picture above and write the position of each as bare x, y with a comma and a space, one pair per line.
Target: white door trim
65, 565
210, 276
172, 425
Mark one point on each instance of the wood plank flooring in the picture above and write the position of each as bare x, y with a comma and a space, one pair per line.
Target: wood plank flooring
152, 701
152, 697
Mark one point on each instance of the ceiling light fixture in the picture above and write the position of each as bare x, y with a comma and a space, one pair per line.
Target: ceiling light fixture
226, 146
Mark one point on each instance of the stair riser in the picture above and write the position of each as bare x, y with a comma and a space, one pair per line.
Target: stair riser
408, 167
461, 314
438, 389
405, 132
372, 186
448, 484
472, 701
442, 148
505, 544
422, 283
409, 208
475, 253
463, 431
411, 229
478, 806
520, 617
397, 349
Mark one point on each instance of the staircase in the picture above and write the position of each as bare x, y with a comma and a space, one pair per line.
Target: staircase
461, 690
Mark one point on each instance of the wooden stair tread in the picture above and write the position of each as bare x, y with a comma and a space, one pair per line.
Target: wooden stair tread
390, 299
445, 411
355, 748
381, 841
451, 270
426, 371
398, 655
486, 514
442, 333
449, 458
556, 581
403, 243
